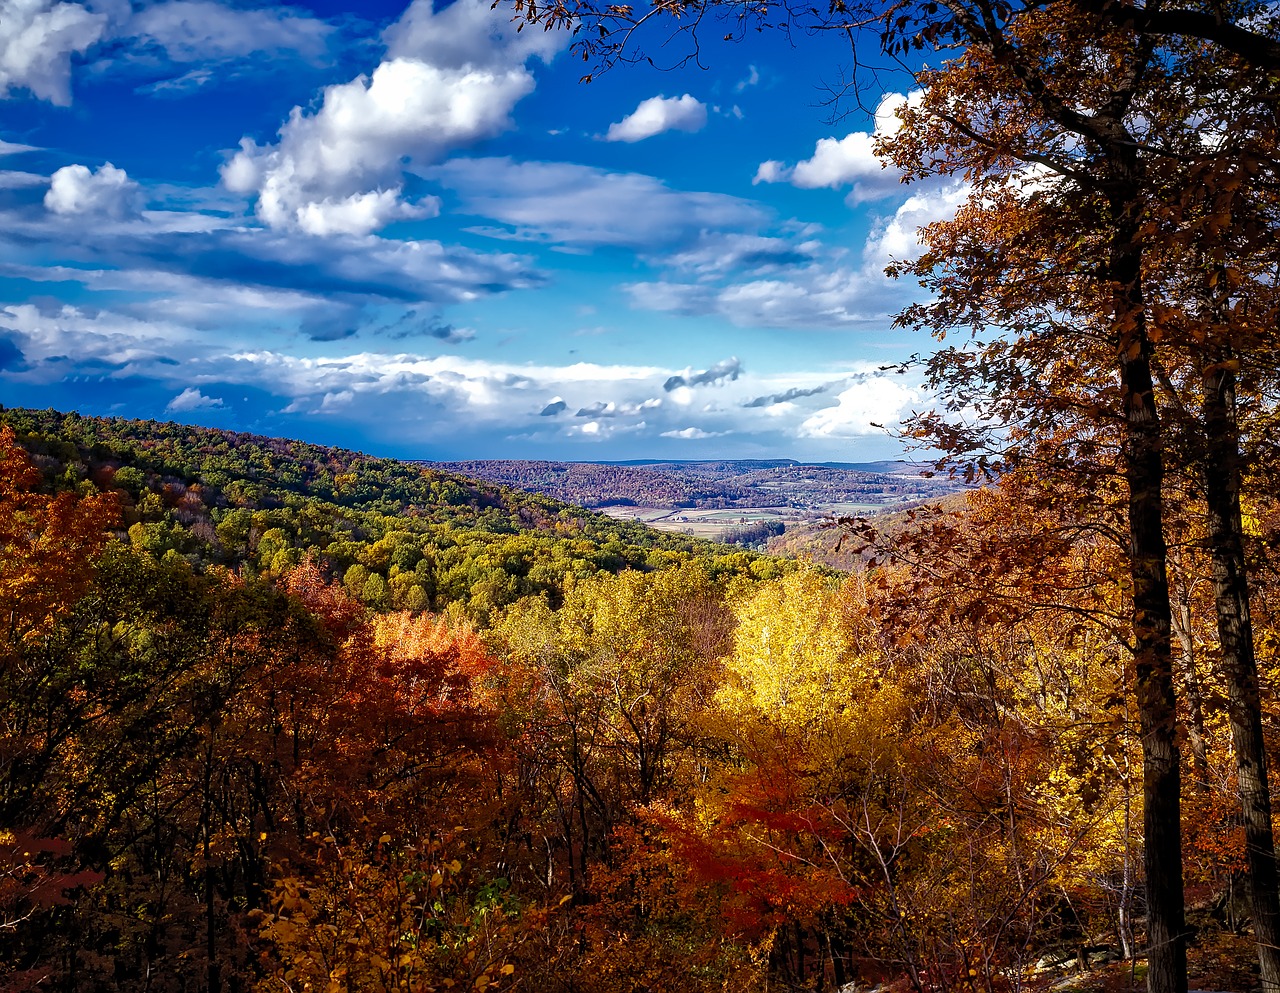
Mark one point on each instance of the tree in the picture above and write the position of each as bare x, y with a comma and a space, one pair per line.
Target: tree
1019, 263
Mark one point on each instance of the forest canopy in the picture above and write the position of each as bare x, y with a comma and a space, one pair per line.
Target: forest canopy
240, 752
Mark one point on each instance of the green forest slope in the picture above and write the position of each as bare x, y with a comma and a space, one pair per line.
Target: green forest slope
399, 535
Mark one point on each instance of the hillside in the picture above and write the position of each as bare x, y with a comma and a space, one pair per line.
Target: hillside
826, 543
399, 535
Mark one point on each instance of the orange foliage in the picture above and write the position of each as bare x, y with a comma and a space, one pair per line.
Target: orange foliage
47, 543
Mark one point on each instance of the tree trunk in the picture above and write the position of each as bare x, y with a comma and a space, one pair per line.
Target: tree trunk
1182, 629
1152, 616
1235, 636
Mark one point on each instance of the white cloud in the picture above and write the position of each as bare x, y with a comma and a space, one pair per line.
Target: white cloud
13, 179
336, 401
579, 205
693, 434
717, 253
192, 399
40, 39
727, 370
659, 114
862, 409
467, 33
809, 297
424, 397
752, 78
106, 192
201, 30
847, 161
13, 148
776, 282
450, 78
771, 171
37, 41
898, 237
221, 254
361, 213
99, 340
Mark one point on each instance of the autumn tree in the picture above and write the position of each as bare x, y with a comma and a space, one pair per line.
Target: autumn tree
1026, 264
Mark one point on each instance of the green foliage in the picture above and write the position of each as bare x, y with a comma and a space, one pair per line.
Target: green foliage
399, 535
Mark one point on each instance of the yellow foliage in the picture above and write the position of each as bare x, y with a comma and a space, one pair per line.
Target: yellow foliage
798, 665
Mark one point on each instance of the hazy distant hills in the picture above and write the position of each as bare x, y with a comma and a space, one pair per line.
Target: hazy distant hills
745, 500
706, 485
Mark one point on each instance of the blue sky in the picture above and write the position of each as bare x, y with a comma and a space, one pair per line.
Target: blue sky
412, 230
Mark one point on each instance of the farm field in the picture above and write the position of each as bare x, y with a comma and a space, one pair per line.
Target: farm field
718, 524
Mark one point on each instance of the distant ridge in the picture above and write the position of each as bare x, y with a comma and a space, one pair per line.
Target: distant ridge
893, 467
797, 490
897, 467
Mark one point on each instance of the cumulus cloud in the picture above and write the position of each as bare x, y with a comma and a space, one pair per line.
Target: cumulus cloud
336, 400
751, 79
729, 369
450, 78
38, 39
898, 237
864, 408
578, 205
659, 114
847, 161
462, 394
597, 431
62, 339
192, 399
610, 409
361, 213
423, 398
106, 192
467, 34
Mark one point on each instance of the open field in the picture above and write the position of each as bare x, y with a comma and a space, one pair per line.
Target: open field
714, 524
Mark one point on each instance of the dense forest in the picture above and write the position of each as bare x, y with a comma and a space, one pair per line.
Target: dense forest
275, 717
281, 717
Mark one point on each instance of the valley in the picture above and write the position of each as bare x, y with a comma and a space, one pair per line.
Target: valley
743, 501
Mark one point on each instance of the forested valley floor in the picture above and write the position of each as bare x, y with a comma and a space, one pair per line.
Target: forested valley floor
278, 717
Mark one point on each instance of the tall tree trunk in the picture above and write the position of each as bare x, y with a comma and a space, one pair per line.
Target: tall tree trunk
1235, 636
1152, 616
1192, 693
